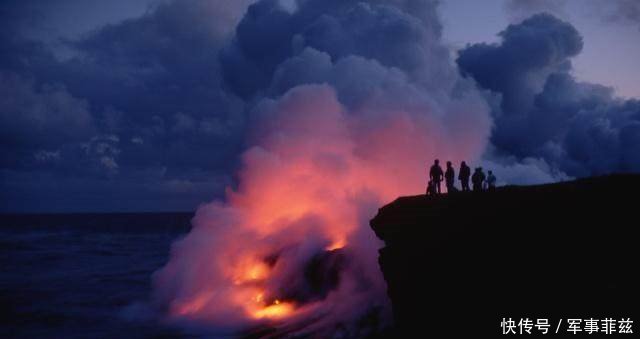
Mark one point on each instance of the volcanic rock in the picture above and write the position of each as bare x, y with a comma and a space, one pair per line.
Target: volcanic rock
457, 265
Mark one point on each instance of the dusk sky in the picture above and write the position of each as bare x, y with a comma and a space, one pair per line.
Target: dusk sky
151, 105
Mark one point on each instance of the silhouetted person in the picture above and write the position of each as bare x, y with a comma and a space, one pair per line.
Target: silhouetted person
463, 176
477, 179
435, 175
450, 177
491, 181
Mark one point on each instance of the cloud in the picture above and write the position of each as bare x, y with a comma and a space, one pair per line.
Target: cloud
510, 170
328, 107
348, 102
133, 79
34, 118
269, 34
519, 10
46, 156
544, 112
518, 66
621, 11
162, 73
178, 85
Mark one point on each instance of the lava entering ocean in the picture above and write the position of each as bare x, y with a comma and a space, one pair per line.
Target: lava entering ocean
290, 249
348, 104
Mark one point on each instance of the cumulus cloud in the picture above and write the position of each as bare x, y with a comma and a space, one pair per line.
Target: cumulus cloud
328, 108
349, 101
140, 79
183, 78
543, 111
269, 35
519, 65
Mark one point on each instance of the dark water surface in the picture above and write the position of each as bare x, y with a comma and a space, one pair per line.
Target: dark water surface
83, 276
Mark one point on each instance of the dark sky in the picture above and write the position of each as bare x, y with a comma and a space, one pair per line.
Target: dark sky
147, 105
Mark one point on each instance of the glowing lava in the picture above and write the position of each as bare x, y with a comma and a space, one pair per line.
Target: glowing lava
311, 185
276, 310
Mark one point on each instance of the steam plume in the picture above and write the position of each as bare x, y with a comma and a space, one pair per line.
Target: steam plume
351, 105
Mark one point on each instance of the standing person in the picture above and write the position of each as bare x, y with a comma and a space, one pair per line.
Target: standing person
435, 175
477, 179
491, 181
450, 178
463, 176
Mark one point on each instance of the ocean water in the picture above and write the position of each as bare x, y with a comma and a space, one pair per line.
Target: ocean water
83, 276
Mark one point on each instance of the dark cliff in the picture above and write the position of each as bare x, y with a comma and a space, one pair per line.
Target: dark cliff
458, 264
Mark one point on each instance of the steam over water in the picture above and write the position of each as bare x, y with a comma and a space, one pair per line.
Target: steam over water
352, 109
324, 110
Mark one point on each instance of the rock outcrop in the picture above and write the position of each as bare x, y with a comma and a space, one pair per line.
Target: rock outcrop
457, 264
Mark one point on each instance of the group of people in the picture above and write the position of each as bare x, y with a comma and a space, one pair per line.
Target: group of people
479, 180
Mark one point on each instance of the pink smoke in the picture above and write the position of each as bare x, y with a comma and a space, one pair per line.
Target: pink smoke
310, 185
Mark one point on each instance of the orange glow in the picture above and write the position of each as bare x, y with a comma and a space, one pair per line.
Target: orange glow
253, 272
277, 310
311, 185
336, 245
